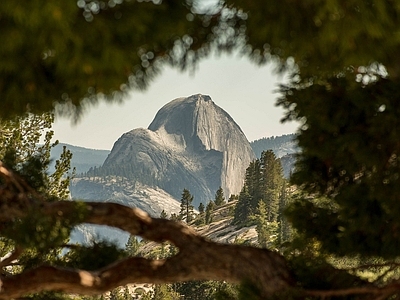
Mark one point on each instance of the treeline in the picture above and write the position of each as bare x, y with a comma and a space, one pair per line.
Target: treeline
120, 173
205, 212
264, 196
261, 202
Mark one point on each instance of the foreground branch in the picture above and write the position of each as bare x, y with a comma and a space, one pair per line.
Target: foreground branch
198, 258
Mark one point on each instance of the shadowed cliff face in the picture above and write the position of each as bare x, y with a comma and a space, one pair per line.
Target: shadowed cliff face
191, 143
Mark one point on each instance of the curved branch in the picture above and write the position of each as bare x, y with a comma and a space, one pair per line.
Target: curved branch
198, 258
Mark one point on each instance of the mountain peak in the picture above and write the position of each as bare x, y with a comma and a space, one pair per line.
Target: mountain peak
192, 143
198, 120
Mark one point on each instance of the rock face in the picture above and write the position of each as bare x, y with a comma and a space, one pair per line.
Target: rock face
191, 143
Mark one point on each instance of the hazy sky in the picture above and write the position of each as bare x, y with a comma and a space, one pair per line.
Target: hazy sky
246, 91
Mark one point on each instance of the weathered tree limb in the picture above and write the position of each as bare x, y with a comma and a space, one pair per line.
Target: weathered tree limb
198, 258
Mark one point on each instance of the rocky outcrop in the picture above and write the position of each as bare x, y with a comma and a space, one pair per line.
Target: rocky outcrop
191, 143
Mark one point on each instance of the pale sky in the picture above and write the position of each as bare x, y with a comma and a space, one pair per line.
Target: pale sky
245, 91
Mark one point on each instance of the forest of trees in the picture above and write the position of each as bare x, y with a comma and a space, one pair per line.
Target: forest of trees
343, 89
263, 199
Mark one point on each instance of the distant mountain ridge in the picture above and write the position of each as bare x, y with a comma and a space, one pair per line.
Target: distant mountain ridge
82, 159
85, 158
281, 145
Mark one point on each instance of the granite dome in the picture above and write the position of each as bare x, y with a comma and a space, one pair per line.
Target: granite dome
191, 143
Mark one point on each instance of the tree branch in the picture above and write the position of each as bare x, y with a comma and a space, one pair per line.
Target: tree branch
198, 258
13, 256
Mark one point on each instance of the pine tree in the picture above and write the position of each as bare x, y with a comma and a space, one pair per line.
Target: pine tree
253, 183
187, 210
201, 208
264, 179
284, 201
132, 245
267, 232
200, 218
174, 217
243, 209
261, 218
163, 215
209, 209
219, 197
272, 179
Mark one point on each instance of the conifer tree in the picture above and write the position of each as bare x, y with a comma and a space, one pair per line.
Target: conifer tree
209, 209
163, 215
243, 209
284, 233
201, 208
187, 210
272, 179
263, 181
219, 197
201, 218
132, 245
174, 217
267, 231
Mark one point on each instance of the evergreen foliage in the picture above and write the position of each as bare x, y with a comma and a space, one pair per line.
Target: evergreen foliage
201, 208
219, 197
201, 217
357, 170
163, 215
243, 208
209, 209
233, 197
187, 210
38, 238
132, 246
56, 40
264, 180
165, 292
267, 231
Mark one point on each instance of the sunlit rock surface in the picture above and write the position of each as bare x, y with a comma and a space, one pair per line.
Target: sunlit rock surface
192, 143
